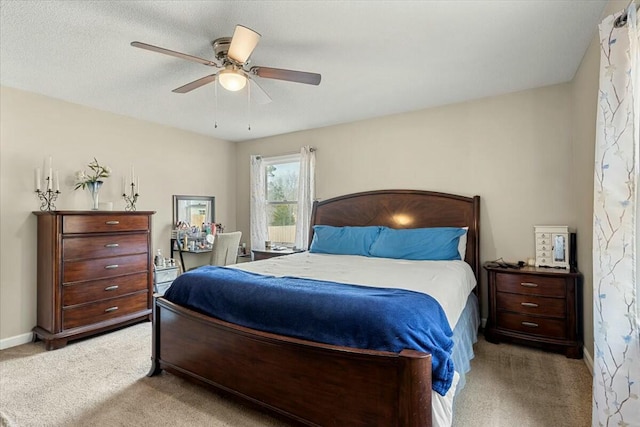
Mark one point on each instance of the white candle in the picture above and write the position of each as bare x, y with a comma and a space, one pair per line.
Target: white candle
133, 175
50, 176
124, 185
138, 186
38, 178
57, 181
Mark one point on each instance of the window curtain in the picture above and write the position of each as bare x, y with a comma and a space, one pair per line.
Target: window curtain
258, 205
616, 309
306, 195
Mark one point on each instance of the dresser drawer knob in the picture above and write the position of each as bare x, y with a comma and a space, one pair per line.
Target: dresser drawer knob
111, 245
112, 222
529, 324
529, 285
111, 288
528, 304
111, 266
110, 309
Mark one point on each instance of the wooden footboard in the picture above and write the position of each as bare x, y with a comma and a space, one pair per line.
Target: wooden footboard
313, 383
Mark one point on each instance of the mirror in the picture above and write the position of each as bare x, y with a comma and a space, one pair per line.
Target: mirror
194, 210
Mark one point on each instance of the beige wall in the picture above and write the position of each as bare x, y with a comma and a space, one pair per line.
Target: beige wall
513, 150
168, 161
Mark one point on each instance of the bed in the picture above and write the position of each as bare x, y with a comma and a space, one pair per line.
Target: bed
312, 382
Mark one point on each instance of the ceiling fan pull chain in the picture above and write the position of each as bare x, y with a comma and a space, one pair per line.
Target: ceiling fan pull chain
215, 108
249, 105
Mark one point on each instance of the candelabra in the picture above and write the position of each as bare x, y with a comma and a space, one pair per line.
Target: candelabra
131, 199
48, 197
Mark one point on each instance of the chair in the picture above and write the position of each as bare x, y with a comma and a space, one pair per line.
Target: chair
225, 248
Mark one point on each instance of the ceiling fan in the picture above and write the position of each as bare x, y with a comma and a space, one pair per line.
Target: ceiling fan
232, 58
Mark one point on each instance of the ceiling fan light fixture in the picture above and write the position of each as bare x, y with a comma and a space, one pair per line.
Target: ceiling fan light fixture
232, 80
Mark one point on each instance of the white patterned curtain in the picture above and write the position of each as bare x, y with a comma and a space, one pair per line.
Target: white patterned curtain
306, 195
258, 207
616, 309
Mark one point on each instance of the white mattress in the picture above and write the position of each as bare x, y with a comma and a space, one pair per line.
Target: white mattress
449, 282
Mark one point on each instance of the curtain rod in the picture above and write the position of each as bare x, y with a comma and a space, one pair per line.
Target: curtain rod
621, 21
312, 149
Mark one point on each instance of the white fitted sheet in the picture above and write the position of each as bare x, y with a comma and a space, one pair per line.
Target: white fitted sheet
449, 282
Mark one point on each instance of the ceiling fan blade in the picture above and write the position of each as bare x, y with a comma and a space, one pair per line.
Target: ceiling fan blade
174, 53
195, 84
243, 42
288, 75
258, 93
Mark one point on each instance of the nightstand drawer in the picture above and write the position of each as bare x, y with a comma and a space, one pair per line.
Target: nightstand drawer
526, 304
547, 327
530, 284
166, 275
161, 288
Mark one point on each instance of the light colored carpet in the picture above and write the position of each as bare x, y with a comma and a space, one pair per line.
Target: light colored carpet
102, 381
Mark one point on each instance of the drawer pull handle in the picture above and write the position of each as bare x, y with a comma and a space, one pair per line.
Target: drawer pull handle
528, 304
111, 266
110, 309
111, 245
112, 222
529, 285
111, 288
530, 324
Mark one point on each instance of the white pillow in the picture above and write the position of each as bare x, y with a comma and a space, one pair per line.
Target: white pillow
462, 243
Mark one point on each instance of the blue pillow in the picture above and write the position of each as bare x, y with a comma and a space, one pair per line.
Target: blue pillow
343, 240
437, 243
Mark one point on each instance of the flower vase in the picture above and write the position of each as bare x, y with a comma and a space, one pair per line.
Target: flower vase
94, 189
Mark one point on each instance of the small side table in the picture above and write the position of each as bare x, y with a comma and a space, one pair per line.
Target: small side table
259, 254
163, 277
537, 306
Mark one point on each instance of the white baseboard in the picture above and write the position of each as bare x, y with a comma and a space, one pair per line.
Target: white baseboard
588, 360
17, 340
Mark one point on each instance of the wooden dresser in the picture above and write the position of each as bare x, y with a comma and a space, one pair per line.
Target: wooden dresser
94, 273
538, 306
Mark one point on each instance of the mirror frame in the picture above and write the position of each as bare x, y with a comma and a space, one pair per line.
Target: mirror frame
179, 198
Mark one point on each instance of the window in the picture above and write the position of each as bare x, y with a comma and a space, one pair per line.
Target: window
282, 197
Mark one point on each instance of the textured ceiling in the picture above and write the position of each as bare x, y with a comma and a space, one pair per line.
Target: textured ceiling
376, 57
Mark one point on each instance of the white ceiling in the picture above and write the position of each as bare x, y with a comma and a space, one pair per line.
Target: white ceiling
376, 57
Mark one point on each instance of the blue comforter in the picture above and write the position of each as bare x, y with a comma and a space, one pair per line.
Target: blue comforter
327, 312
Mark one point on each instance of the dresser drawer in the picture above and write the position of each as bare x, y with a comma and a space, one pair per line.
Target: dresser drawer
546, 327
530, 284
75, 271
526, 304
103, 246
104, 223
103, 310
95, 290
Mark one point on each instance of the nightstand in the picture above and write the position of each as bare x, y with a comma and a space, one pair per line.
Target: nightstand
537, 306
259, 254
163, 277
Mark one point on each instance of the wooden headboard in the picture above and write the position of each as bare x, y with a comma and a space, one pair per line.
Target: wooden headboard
405, 209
